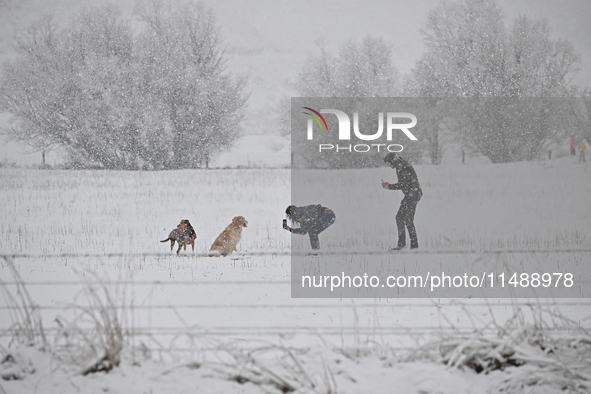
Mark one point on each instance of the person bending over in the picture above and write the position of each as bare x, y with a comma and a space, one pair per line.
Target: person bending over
313, 219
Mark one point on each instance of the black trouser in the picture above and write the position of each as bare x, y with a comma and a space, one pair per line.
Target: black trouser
406, 217
326, 219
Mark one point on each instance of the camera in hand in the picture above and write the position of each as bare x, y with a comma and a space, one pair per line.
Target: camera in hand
285, 226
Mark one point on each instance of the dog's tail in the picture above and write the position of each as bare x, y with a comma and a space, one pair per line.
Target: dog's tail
166, 240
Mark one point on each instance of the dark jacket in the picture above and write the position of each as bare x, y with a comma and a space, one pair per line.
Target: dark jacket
306, 216
408, 181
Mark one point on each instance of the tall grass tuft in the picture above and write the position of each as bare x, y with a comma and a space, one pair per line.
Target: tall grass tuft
27, 326
278, 367
537, 346
96, 337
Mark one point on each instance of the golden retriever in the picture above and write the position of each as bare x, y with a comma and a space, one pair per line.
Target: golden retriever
226, 242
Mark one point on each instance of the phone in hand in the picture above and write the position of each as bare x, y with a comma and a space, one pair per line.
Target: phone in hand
285, 223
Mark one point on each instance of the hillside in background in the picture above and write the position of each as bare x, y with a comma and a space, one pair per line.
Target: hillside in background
269, 40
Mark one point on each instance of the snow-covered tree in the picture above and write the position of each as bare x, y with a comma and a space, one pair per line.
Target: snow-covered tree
182, 69
66, 86
579, 111
159, 99
361, 69
470, 53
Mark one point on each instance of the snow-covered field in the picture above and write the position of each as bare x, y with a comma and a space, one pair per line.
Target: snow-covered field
211, 325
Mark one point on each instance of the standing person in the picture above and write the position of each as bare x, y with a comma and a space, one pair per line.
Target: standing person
581, 151
313, 219
572, 146
408, 183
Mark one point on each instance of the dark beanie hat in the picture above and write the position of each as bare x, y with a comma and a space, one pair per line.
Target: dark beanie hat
289, 210
390, 158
